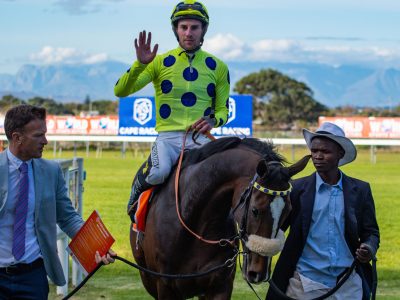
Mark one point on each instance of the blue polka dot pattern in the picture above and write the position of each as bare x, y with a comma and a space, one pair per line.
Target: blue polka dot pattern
169, 61
221, 122
166, 86
211, 63
188, 99
207, 112
211, 90
190, 76
229, 78
227, 103
165, 111
127, 71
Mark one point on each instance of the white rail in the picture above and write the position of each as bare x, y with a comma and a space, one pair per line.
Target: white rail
87, 139
276, 141
74, 176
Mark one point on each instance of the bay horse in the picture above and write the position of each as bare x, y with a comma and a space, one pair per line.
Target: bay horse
223, 183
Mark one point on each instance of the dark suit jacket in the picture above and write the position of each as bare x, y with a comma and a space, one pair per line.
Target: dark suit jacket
360, 227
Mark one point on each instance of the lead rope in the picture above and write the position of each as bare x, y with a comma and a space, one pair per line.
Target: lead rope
228, 264
248, 283
326, 295
177, 173
374, 277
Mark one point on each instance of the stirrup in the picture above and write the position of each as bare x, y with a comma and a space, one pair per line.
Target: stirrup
131, 211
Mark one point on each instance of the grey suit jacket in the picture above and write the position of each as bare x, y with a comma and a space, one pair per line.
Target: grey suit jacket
52, 206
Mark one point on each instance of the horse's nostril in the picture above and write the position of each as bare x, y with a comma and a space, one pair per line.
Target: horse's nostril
253, 277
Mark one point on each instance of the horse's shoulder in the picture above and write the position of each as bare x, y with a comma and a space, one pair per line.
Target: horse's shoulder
196, 155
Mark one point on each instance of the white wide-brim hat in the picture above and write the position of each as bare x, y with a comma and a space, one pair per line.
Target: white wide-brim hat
336, 134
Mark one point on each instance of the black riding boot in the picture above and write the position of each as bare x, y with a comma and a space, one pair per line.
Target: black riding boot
139, 185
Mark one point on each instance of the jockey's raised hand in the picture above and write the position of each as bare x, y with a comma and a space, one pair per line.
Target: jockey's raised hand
143, 48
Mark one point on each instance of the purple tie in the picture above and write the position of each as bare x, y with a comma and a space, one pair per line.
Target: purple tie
21, 209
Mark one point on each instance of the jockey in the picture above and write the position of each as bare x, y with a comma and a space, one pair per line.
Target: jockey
191, 91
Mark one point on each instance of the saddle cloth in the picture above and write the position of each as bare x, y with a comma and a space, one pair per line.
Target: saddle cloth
141, 212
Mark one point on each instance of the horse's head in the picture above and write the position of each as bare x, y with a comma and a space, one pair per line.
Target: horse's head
266, 206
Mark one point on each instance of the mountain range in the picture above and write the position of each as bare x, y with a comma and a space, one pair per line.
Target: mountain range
332, 85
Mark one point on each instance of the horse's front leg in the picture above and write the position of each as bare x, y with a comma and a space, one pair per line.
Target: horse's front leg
140, 258
218, 295
166, 292
222, 292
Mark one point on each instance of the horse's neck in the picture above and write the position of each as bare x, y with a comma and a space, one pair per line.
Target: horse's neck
218, 184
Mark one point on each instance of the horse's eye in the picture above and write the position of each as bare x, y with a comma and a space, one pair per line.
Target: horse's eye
254, 211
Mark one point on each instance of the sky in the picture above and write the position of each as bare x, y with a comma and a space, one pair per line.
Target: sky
333, 32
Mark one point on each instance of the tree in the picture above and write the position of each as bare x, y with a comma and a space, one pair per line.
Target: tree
9, 101
51, 106
105, 107
280, 101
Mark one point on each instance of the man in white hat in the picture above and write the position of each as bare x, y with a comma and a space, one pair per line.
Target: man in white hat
332, 223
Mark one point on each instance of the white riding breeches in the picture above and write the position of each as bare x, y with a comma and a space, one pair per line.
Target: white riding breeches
165, 152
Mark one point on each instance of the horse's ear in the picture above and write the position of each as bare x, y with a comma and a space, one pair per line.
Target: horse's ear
299, 166
262, 168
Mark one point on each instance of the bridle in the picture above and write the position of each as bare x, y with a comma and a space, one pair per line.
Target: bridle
245, 201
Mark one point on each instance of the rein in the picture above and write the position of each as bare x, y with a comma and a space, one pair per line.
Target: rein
244, 199
220, 242
229, 263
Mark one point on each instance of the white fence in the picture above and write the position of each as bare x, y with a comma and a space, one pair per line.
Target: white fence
128, 139
74, 176
124, 140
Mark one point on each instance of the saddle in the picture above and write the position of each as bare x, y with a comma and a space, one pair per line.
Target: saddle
191, 157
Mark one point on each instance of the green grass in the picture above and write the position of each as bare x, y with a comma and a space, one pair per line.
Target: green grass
107, 188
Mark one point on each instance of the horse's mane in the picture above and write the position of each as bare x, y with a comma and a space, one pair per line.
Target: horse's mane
196, 155
265, 149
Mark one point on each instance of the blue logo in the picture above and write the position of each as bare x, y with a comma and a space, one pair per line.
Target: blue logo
142, 110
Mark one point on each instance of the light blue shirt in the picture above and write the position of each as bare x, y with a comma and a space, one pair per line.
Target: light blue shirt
7, 215
326, 254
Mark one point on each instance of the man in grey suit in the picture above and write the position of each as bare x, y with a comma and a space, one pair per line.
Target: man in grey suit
33, 199
332, 222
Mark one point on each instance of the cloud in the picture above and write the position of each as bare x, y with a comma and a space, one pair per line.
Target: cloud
82, 7
278, 49
227, 45
334, 54
230, 47
333, 38
51, 55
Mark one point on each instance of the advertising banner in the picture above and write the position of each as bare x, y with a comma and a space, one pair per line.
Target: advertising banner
93, 125
367, 127
137, 117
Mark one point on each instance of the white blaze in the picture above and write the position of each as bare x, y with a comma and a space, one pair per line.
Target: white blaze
277, 206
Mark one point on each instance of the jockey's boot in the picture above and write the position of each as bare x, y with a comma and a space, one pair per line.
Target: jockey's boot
139, 185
